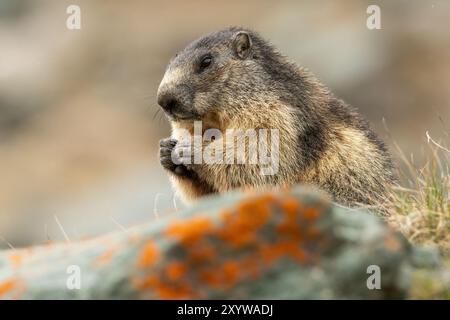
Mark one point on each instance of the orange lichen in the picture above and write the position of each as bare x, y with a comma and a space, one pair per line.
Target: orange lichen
312, 233
267, 198
105, 257
255, 208
289, 229
272, 252
250, 264
16, 260
148, 255
230, 271
392, 243
182, 291
311, 213
167, 291
175, 270
147, 283
290, 226
240, 228
205, 259
190, 231
222, 276
6, 287
238, 238
201, 252
290, 206
211, 277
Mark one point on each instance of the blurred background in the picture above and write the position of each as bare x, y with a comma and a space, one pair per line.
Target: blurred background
78, 132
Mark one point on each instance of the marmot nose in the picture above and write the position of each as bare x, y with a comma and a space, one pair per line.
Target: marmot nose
168, 102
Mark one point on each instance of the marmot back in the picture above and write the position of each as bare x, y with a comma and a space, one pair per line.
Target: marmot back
233, 79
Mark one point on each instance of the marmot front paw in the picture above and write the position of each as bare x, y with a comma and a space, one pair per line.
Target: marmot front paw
166, 148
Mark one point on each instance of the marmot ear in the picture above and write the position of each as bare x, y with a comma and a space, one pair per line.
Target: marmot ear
242, 44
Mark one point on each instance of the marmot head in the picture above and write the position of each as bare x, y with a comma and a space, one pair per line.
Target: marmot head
218, 73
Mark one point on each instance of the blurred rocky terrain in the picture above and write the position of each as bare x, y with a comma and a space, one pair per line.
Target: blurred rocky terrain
78, 131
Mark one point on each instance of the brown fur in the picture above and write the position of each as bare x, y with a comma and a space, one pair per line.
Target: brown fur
323, 141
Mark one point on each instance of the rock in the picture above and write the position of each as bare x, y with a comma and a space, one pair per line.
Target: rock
292, 244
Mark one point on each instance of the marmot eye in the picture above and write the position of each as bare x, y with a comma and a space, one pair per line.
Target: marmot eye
205, 62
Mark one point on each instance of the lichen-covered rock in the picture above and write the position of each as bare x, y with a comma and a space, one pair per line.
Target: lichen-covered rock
290, 244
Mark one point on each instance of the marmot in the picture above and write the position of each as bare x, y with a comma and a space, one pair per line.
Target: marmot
235, 79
